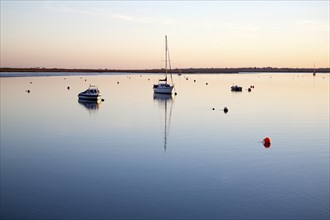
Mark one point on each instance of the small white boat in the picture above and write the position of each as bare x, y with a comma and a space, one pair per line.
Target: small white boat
163, 87
92, 93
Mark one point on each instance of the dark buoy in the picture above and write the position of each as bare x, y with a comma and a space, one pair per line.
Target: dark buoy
148, 79
85, 79
30, 82
249, 89
175, 93
68, 87
117, 82
225, 110
207, 83
213, 109
102, 100
194, 80
28, 91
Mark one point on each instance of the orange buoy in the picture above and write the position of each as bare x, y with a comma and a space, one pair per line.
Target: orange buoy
266, 142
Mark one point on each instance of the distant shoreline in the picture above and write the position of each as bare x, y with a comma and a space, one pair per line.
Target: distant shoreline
185, 70
39, 72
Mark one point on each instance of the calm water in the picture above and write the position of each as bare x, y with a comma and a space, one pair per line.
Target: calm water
61, 159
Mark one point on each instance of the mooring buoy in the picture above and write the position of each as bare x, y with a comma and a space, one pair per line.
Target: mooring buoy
266, 142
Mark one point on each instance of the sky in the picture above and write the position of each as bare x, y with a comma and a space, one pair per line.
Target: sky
131, 34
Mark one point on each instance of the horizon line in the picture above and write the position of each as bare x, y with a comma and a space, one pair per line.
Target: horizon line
175, 70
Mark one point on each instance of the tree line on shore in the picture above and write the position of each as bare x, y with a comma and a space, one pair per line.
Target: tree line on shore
184, 70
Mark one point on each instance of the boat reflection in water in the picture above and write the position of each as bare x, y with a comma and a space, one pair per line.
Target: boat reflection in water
165, 101
90, 105
163, 97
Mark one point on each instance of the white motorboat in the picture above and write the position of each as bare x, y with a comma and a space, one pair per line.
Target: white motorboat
163, 87
92, 93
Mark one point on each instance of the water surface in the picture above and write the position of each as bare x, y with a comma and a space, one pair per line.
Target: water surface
62, 159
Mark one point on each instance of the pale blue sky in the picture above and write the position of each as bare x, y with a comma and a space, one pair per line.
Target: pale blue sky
130, 34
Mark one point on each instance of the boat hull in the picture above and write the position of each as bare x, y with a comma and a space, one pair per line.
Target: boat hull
163, 89
89, 97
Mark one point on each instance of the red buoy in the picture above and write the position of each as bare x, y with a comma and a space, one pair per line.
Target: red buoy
266, 142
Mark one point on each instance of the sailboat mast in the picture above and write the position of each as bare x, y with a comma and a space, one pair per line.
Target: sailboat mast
166, 58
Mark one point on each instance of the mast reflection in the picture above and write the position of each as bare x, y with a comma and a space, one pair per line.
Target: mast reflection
165, 101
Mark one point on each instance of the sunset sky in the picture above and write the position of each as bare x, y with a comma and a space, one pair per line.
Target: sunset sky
130, 34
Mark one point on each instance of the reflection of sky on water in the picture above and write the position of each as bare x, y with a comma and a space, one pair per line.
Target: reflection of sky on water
59, 162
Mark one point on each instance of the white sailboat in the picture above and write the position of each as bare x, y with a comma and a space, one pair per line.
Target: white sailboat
163, 87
